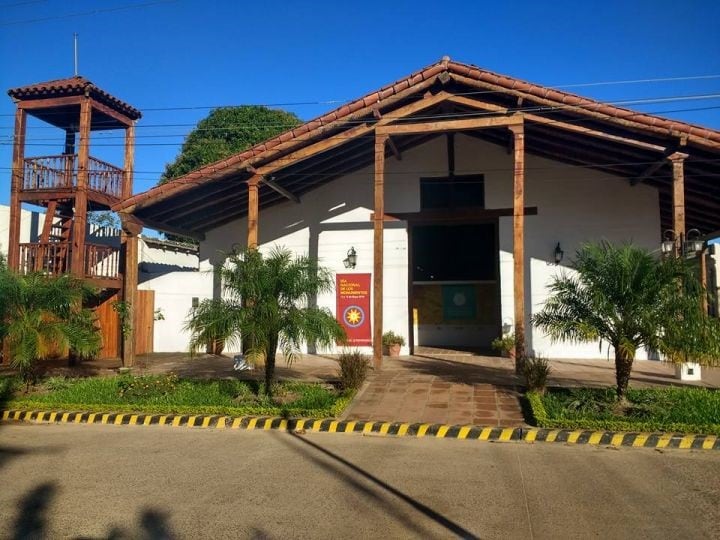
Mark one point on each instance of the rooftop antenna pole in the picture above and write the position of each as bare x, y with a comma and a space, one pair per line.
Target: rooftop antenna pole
75, 42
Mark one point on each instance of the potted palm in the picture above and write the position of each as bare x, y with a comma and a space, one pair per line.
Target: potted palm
505, 345
393, 343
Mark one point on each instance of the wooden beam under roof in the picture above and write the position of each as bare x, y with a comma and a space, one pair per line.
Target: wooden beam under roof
442, 126
345, 136
625, 122
477, 104
149, 222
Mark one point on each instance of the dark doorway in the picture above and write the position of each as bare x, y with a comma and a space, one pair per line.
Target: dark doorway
455, 294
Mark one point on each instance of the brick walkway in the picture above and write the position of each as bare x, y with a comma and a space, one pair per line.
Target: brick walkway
404, 393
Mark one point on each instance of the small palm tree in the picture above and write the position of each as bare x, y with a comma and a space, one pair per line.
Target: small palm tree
267, 305
626, 297
42, 315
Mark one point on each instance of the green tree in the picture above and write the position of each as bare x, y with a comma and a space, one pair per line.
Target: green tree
268, 304
624, 296
40, 315
227, 131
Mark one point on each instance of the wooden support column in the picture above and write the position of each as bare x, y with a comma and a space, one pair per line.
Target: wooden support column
519, 242
378, 245
131, 229
678, 199
127, 187
77, 261
16, 187
253, 210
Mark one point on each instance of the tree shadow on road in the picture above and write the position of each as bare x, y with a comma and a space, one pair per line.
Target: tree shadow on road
31, 521
344, 469
33, 511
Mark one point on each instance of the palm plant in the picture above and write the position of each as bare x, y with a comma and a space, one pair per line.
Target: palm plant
267, 305
42, 315
624, 296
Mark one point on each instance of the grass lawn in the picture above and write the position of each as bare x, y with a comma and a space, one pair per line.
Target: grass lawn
168, 394
689, 410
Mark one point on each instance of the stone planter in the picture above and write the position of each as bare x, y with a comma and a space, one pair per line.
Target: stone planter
688, 371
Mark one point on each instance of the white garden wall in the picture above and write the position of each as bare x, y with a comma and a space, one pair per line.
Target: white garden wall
174, 292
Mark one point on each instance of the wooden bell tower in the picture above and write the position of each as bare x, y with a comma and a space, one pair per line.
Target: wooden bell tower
72, 183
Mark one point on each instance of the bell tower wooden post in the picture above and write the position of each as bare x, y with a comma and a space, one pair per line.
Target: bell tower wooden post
77, 261
16, 186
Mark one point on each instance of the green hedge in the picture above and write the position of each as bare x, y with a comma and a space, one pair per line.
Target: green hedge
543, 419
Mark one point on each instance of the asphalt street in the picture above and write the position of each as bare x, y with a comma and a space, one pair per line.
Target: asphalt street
93, 481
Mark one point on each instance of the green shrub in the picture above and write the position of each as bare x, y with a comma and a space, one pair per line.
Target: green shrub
133, 388
390, 338
504, 345
8, 385
56, 383
536, 370
353, 369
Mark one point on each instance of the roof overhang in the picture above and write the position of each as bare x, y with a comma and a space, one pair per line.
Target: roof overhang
558, 125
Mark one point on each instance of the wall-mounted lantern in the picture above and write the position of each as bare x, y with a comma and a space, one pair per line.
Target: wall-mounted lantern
688, 245
693, 244
668, 244
351, 260
558, 254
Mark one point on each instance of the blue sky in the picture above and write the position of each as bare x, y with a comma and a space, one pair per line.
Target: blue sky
194, 54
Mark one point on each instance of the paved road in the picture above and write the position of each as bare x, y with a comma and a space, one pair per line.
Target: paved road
85, 481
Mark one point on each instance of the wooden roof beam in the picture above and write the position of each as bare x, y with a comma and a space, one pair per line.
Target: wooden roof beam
394, 149
353, 133
149, 222
449, 125
270, 182
625, 122
474, 103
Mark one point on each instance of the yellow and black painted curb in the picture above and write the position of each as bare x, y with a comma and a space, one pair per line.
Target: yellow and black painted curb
396, 429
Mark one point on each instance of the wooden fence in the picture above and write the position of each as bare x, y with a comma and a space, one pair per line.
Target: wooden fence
111, 331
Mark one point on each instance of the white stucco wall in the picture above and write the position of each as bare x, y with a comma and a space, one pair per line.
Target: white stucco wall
30, 226
174, 292
574, 205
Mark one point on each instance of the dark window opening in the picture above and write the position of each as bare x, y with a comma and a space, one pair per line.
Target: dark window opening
452, 192
454, 252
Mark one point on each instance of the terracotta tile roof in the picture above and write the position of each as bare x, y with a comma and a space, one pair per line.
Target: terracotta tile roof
72, 86
504, 83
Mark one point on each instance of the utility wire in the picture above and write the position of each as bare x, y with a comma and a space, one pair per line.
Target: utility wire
247, 127
460, 172
83, 13
630, 101
474, 114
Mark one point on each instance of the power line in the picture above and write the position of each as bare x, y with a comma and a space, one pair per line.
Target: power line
239, 127
623, 102
488, 170
474, 114
83, 13
15, 4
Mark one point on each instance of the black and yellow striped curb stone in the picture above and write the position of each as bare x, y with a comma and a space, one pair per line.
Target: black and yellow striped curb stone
396, 429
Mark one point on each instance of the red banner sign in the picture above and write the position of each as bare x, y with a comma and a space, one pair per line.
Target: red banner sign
353, 307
